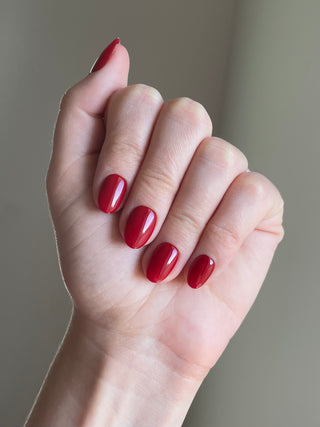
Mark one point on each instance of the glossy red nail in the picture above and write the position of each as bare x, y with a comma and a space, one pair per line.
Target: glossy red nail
104, 57
140, 226
112, 192
162, 262
200, 271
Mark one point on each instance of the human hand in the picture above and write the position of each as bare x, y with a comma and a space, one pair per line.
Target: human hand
206, 203
136, 352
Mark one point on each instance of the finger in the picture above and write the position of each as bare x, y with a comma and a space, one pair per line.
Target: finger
131, 116
214, 166
80, 125
181, 126
250, 203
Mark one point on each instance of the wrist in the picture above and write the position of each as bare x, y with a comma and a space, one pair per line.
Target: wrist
101, 377
139, 382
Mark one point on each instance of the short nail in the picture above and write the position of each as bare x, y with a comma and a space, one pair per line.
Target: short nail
111, 193
105, 55
200, 271
140, 226
162, 262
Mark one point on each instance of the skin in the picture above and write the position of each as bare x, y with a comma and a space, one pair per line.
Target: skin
135, 352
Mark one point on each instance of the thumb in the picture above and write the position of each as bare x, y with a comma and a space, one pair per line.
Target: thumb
80, 125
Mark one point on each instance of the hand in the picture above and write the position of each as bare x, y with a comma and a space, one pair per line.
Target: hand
206, 203
162, 281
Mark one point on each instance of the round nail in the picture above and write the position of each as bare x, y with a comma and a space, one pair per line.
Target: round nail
140, 226
162, 262
111, 193
200, 271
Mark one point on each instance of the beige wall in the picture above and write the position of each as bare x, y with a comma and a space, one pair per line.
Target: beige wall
269, 375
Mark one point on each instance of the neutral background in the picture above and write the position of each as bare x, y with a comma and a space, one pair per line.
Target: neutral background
255, 66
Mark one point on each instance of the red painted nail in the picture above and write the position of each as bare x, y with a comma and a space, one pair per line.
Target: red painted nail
112, 192
104, 57
200, 270
140, 226
162, 262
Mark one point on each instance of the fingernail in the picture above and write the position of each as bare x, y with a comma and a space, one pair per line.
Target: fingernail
104, 57
111, 193
162, 262
140, 226
200, 271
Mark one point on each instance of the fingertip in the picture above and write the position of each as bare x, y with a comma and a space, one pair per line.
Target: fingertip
123, 54
104, 57
92, 92
114, 56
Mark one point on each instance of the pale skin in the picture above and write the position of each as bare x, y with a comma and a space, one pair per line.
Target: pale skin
136, 352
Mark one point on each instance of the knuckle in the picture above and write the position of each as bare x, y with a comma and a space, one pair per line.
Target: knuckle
262, 188
136, 94
159, 180
186, 110
255, 189
186, 220
225, 155
275, 218
255, 186
280, 234
278, 205
145, 92
224, 236
68, 99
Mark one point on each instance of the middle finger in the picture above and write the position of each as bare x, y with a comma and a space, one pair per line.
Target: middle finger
181, 126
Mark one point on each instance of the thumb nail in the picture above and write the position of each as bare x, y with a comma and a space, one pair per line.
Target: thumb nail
105, 56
